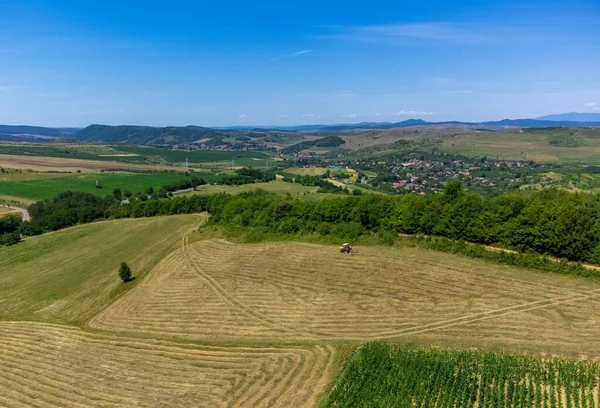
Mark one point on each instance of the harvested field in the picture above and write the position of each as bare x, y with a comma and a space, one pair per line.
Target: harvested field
50, 366
215, 290
41, 163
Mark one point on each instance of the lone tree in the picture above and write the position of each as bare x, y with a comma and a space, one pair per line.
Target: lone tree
125, 272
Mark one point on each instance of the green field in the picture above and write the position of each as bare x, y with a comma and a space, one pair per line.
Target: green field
135, 154
67, 276
380, 375
53, 184
573, 145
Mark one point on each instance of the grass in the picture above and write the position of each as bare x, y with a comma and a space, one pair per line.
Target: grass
380, 375
540, 145
41, 188
69, 275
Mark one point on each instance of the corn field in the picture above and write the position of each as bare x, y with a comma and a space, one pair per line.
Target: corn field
380, 375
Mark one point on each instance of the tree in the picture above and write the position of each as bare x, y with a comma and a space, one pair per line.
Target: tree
125, 272
117, 193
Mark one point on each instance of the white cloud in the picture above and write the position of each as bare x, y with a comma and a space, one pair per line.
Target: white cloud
294, 54
308, 115
243, 116
591, 105
347, 94
351, 115
411, 112
283, 116
447, 32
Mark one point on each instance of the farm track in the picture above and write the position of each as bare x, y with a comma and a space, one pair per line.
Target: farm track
49, 366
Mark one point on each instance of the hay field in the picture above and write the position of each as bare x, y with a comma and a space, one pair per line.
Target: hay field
52, 366
67, 276
215, 290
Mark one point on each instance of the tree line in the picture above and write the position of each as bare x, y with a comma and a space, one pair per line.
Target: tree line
550, 222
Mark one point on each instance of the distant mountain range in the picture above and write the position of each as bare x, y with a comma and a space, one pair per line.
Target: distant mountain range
171, 135
573, 117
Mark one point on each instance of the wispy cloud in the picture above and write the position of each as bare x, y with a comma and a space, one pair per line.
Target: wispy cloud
591, 104
283, 116
446, 32
243, 116
412, 113
294, 54
351, 116
347, 94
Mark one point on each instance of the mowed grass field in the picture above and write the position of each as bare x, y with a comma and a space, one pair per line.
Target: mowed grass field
286, 292
68, 276
39, 186
540, 145
52, 366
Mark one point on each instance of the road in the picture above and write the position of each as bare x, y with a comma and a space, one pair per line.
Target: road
23, 211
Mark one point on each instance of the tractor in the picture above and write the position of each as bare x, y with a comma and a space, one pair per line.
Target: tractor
346, 249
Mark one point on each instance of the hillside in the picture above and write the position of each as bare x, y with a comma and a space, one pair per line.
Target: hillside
146, 135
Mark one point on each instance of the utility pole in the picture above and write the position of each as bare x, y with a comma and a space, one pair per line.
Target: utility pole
187, 166
232, 164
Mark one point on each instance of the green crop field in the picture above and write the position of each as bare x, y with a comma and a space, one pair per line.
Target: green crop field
380, 375
574, 145
54, 184
69, 275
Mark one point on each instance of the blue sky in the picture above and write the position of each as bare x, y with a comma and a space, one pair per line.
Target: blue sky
215, 63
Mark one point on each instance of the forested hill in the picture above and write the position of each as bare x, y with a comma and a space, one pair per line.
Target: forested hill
146, 135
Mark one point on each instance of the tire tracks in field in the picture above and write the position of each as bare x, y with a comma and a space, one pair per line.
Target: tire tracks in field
458, 321
233, 302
